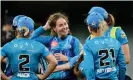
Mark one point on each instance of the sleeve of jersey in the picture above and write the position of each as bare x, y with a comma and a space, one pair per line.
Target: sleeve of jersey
43, 39
36, 35
45, 52
39, 31
74, 60
4, 50
77, 47
121, 36
122, 64
89, 63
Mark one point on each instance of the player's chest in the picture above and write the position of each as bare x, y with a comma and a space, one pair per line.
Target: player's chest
60, 45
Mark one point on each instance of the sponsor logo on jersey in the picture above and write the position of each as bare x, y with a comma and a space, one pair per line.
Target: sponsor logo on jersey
123, 35
54, 43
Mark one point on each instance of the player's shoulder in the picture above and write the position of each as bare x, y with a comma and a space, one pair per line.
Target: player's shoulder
102, 39
118, 29
36, 43
89, 41
11, 42
113, 41
6, 45
120, 33
73, 38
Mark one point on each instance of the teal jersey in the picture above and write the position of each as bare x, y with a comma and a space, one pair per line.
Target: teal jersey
119, 33
24, 56
101, 58
69, 46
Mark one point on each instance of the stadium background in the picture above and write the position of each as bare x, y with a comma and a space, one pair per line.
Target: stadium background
76, 11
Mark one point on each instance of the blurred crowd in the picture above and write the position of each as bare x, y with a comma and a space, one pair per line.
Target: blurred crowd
7, 31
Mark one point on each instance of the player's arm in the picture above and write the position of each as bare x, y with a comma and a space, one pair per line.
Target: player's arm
122, 38
68, 65
43, 39
76, 67
4, 60
37, 36
121, 64
52, 63
51, 66
39, 31
89, 63
3, 55
77, 47
65, 66
3, 76
126, 51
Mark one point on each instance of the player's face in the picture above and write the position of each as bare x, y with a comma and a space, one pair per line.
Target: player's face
62, 27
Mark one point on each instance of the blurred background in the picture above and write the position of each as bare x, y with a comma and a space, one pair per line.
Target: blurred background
39, 11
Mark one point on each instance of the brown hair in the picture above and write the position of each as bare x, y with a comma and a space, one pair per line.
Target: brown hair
110, 20
53, 19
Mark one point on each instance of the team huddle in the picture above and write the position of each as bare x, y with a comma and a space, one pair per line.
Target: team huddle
61, 56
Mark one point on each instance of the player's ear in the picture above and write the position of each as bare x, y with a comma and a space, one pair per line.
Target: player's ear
16, 32
89, 29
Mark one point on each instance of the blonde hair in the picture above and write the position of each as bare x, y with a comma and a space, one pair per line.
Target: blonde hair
22, 32
53, 19
103, 27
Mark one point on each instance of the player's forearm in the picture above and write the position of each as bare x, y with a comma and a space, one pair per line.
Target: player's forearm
125, 48
3, 76
122, 72
76, 70
52, 65
63, 67
39, 31
4, 60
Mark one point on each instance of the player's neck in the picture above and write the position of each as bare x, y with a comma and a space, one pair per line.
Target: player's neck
22, 37
97, 34
61, 37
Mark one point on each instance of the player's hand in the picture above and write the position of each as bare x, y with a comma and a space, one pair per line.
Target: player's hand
60, 57
76, 70
40, 76
46, 26
55, 69
9, 77
81, 58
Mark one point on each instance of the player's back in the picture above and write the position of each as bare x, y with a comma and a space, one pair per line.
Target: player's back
24, 56
105, 51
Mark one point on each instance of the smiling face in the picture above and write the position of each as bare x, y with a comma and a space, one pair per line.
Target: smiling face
59, 24
61, 27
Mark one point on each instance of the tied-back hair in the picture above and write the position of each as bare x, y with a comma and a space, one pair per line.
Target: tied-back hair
23, 32
102, 27
53, 19
110, 20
